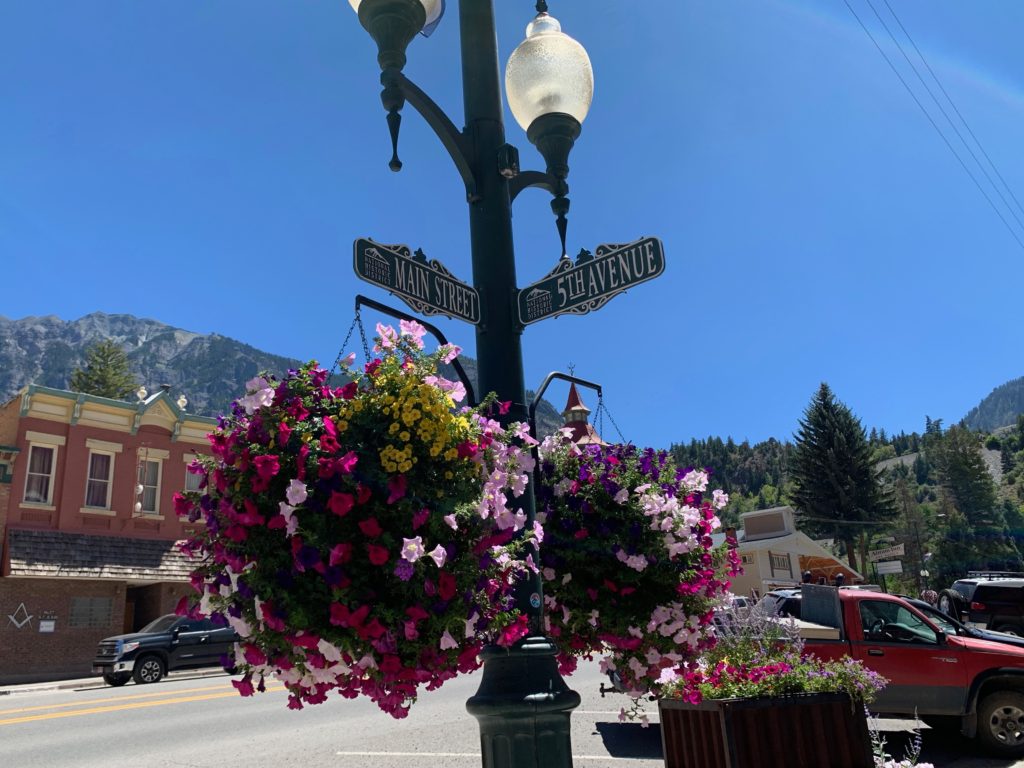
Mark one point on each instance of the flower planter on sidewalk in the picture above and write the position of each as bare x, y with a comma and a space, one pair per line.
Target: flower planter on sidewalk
819, 730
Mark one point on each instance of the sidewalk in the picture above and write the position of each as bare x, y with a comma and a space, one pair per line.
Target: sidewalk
97, 681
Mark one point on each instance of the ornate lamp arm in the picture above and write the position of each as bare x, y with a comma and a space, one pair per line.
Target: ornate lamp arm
451, 137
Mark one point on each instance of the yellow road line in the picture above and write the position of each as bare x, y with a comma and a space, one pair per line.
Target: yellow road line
103, 701
121, 707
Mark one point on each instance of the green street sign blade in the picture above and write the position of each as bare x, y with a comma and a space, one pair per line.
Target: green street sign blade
426, 286
592, 280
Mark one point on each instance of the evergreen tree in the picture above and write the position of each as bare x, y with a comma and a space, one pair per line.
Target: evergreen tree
965, 477
105, 373
836, 486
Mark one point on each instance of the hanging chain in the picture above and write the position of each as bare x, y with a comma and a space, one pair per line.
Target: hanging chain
356, 321
603, 409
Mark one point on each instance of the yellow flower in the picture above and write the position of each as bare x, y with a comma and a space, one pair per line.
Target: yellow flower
403, 436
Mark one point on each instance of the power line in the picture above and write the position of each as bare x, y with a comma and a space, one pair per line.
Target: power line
934, 124
939, 104
953, 104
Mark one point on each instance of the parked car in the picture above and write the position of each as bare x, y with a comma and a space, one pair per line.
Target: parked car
779, 602
986, 601
169, 643
951, 626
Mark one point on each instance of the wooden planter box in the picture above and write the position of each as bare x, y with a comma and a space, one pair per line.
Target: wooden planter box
816, 730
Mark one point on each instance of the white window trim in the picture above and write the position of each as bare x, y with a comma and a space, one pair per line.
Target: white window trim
188, 458
156, 457
42, 440
106, 508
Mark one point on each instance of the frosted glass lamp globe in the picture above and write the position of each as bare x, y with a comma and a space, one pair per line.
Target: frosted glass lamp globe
548, 73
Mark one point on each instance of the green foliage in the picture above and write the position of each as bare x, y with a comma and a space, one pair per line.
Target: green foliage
836, 485
105, 373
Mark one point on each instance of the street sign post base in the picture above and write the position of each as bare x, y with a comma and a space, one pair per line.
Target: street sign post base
523, 707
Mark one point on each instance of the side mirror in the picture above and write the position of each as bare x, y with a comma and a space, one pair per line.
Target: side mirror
176, 632
940, 637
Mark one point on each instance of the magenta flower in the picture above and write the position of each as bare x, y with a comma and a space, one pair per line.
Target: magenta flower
396, 488
341, 503
378, 555
371, 527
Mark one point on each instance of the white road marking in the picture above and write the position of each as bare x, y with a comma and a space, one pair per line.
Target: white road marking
467, 755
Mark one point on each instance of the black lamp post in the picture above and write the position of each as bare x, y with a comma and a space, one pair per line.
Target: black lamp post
522, 705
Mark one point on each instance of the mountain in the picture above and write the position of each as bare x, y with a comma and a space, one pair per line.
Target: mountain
210, 370
999, 409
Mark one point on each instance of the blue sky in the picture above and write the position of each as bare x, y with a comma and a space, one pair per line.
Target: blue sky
209, 164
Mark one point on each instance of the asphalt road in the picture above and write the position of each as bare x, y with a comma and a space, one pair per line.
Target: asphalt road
201, 722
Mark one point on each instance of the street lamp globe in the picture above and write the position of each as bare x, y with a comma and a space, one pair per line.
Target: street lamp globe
550, 84
394, 23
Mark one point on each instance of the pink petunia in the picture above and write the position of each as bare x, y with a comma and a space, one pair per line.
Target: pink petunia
412, 549
439, 554
448, 642
413, 330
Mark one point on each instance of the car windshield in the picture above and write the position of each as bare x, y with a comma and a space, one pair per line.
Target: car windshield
162, 624
941, 620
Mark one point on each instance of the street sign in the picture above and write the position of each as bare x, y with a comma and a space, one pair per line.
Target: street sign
590, 282
883, 554
426, 286
889, 566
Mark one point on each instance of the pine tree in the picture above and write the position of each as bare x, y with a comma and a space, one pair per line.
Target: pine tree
105, 373
836, 486
965, 477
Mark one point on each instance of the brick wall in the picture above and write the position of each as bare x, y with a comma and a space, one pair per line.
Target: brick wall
8, 435
28, 655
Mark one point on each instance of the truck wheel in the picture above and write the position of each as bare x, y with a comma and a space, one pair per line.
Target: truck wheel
1001, 723
949, 603
117, 678
148, 669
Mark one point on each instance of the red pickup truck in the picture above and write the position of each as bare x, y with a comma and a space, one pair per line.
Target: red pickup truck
976, 684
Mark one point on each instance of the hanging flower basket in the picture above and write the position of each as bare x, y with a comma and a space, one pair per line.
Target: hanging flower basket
627, 559
358, 537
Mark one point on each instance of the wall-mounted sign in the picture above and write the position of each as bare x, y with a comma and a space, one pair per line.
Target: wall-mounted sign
426, 286
592, 280
20, 617
47, 625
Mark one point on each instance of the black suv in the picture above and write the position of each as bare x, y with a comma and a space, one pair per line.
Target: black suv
986, 600
165, 644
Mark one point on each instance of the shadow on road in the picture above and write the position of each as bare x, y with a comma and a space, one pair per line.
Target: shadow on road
631, 740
